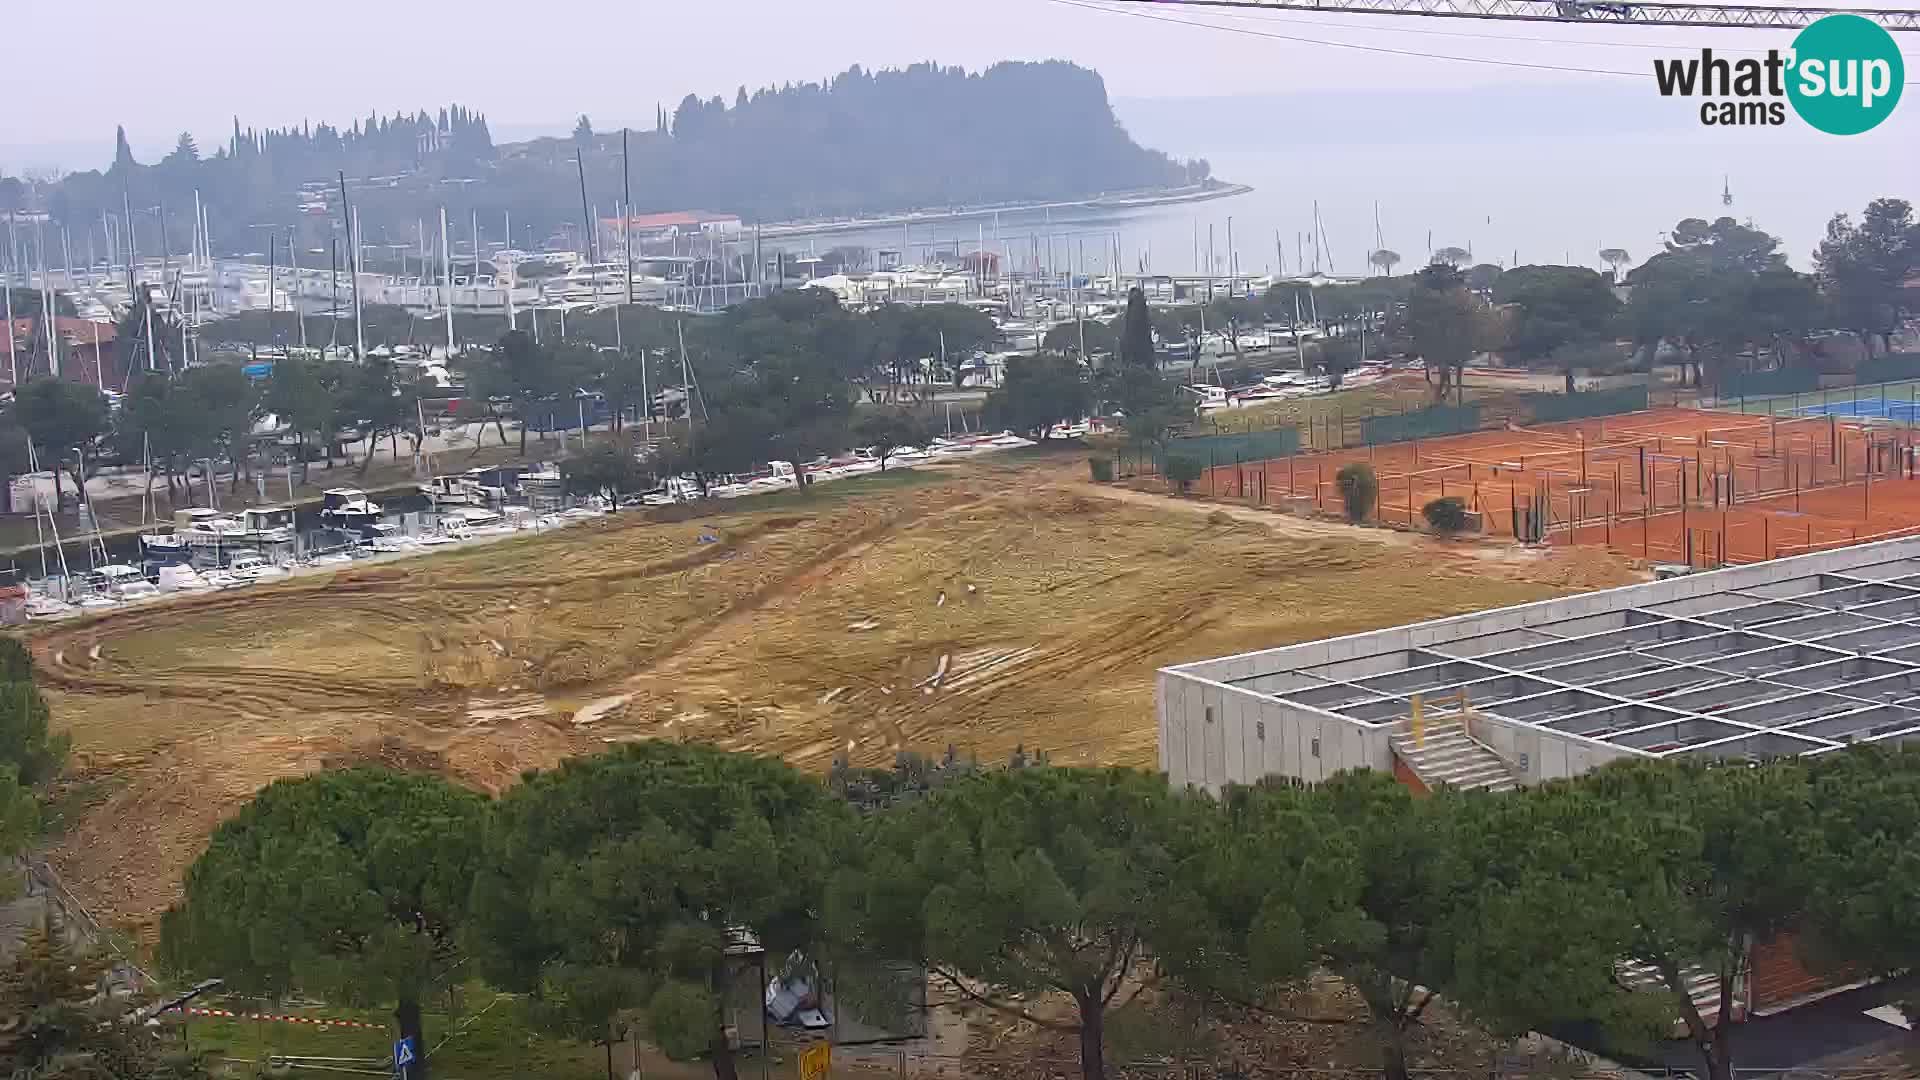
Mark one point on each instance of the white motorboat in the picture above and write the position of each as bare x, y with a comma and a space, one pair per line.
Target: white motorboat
348, 508
386, 537
255, 568
136, 591
472, 519
221, 579
444, 491
98, 602
163, 544
267, 524
44, 608
181, 577
437, 540
120, 581
204, 527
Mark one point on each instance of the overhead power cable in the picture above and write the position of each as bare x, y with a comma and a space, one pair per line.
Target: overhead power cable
1583, 12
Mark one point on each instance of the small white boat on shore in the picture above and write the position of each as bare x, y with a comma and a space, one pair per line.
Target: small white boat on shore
43, 608
348, 508
255, 568
182, 577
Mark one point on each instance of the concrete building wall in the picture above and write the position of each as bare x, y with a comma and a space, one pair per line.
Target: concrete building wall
1213, 733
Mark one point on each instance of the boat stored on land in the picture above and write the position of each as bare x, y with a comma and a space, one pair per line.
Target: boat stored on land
348, 508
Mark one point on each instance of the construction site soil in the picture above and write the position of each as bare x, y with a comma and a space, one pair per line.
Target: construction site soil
1009, 603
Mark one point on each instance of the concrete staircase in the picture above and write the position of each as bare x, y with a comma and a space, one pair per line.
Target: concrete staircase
1702, 987
1446, 754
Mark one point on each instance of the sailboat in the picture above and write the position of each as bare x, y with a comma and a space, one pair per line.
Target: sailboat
159, 543
46, 605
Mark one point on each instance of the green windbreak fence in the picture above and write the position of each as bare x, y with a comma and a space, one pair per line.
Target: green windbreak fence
1549, 408
1424, 424
1240, 446
1890, 368
1764, 383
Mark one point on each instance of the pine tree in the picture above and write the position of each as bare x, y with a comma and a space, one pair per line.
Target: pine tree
185, 151
122, 153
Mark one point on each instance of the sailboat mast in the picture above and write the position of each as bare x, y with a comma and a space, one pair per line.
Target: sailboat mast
1316, 237
446, 269
49, 323
619, 339
293, 260
126, 221
586, 217
353, 267
13, 359
146, 310
40, 538
626, 220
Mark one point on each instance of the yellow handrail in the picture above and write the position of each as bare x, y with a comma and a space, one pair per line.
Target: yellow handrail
1417, 717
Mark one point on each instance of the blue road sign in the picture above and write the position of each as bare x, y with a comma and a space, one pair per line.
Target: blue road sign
403, 1053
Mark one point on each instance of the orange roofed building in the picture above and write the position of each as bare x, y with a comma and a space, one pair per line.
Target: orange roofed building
83, 349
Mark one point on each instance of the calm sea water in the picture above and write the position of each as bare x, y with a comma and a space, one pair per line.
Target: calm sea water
1516, 174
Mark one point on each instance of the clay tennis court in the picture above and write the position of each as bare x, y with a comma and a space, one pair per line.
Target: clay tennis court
1673, 485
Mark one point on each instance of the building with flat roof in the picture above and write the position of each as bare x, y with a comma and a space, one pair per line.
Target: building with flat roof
665, 226
1794, 656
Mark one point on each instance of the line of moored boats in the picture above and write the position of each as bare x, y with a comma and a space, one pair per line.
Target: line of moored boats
205, 550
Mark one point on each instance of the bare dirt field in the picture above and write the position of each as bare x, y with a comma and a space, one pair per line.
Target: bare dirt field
1010, 604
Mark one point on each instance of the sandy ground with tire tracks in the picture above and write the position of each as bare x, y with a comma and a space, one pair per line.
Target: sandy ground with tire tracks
1012, 604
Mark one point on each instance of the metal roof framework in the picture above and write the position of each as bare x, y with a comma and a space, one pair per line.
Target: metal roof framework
1733, 16
1804, 665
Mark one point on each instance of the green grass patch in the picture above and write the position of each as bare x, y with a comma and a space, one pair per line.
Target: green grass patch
492, 1040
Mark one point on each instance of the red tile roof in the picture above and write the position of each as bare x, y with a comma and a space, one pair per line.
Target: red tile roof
75, 331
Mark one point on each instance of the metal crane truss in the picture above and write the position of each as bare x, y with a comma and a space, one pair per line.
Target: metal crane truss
1742, 16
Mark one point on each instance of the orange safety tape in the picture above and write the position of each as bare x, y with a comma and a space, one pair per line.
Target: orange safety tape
317, 1021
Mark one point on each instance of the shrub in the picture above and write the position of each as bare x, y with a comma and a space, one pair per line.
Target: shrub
1358, 489
1102, 469
1183, 471
1448, 515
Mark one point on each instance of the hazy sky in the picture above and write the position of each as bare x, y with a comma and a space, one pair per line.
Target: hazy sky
160, 69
